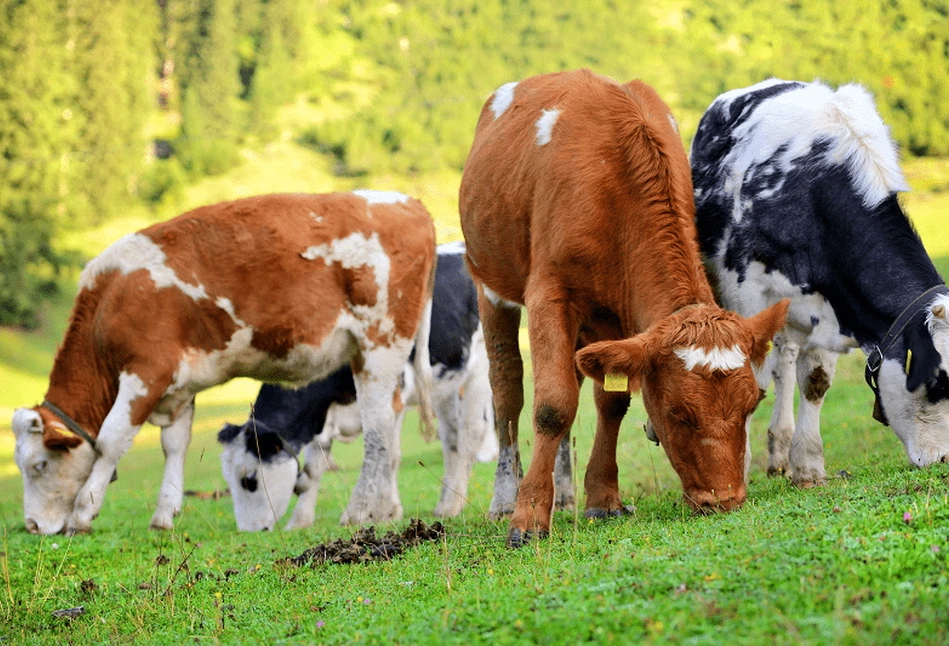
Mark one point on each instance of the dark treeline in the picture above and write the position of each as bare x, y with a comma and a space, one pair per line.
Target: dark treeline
108, 103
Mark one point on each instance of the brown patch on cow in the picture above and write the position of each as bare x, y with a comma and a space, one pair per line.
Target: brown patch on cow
817, 384
397, 404
362, 286
275, 341
357, 364
365, 546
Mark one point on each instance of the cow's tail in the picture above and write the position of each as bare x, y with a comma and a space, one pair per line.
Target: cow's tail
423, 366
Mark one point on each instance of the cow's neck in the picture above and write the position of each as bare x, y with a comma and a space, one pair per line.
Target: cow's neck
669, 275
81, 383
879, 273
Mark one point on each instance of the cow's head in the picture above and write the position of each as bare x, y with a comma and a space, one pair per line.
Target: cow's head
915, 394
261, 473
54, 463
696, 371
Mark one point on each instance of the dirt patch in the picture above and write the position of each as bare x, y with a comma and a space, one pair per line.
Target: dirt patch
364, 546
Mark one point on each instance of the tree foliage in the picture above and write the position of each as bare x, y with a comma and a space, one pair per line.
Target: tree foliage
396, 86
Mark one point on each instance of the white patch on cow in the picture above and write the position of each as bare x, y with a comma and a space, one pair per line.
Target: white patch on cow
673, 123
810, 317
795, 120
316, 218
495, 299
714, 359
451, 248
273, 484
132, 253
382, 197
356, 250
545, 126
503, 97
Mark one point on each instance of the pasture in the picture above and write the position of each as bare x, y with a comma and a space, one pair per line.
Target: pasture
864, 559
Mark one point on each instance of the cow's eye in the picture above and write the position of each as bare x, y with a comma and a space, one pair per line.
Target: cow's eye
38, 467
684, 416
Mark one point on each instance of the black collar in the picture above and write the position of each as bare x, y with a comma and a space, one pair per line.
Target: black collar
875, 358
71, 424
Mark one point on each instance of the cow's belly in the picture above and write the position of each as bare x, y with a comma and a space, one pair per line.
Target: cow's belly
811, 320
198, 370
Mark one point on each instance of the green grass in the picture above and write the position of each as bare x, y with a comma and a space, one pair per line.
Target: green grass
831, 565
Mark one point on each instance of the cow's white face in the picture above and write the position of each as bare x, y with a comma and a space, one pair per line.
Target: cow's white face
51, 477
261, 489
921, 425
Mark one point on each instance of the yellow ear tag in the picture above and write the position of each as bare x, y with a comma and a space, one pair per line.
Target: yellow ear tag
615, 382
909, 359
770, 345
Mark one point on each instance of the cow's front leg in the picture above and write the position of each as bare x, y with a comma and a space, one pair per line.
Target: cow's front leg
602, 477
553, 334
376, 497
501, 324
175, 439
815, 372
781, 427
315, 464
115, 439
456, 455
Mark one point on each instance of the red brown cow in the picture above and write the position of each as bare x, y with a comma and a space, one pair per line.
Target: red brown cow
279, 288
576, 202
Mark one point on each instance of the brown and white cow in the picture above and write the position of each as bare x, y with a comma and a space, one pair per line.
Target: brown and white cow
279, 288
576, 202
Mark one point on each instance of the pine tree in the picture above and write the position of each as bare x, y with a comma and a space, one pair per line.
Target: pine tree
36, 133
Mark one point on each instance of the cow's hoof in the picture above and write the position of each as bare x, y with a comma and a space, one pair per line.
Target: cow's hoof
295, 523
600, 512
565, 503
500, 511
75, 527
519, 538
447, 510
162, 522
809, 483
365, 516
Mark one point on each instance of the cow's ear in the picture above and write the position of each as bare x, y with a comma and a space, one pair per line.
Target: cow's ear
764, 325
227, 434
26, 420
264, 444
630, 357
56, 440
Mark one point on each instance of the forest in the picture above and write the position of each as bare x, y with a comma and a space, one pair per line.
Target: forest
108, 105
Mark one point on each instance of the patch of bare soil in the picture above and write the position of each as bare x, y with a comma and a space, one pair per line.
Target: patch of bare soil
365, 546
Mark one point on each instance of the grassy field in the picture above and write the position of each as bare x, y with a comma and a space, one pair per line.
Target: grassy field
863, 560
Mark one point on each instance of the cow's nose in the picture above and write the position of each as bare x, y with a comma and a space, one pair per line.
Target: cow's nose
709, 502
32, 526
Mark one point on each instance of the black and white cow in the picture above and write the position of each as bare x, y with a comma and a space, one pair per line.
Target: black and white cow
796, 197
259, 457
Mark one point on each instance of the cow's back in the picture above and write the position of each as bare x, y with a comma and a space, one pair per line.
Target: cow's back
263, 277
556, 164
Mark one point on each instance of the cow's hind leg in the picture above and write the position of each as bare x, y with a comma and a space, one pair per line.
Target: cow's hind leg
781, 428
175, 439
376, 497
553, 335
602, 482
315, 464
501, 324
815, 372
565, 496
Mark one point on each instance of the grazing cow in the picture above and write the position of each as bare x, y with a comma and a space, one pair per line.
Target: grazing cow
264, 449
796, 197
576, 201
276, 287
